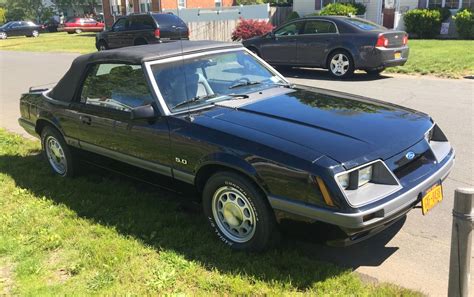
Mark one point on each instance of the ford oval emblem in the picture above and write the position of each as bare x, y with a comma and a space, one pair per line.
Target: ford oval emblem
410, 155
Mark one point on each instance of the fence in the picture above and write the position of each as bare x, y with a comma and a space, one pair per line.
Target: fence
212, 30
278, 15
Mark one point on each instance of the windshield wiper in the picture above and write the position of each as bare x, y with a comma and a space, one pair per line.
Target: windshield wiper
244, 83
195, 99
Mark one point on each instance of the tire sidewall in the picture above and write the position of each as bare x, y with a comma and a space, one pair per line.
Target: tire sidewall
264, 219
45, 133
351, 69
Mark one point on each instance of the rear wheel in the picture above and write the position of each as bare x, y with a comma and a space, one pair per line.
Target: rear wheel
78, 31
102, 46
238, 212
340, 64
57, 152
3, 35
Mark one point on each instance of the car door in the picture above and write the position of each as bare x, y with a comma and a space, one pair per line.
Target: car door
115, 35
140, 30
103, 123
15, 29
314, 42
280, 46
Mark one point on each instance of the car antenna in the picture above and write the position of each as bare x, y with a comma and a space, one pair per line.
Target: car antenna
189, 117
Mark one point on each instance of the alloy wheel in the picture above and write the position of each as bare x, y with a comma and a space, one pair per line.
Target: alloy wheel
233, 214
55, 154
35, 33
3, 35
340, 64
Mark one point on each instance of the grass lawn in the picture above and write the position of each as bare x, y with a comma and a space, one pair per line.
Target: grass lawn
52, 42
443, 58
106, 235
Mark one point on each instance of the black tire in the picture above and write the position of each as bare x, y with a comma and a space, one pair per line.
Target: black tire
263, 232
374, 72
343, 70
70, 32
51, 134
102, 46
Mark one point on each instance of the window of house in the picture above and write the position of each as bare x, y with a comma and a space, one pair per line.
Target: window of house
218, 3
116, 86
182, 3
451, 4
145, 5
467, 4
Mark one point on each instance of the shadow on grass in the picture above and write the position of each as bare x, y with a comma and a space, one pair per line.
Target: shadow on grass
166, 220
322, 74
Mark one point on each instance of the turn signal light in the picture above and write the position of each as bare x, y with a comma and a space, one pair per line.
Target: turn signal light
382, 41
157, 33
322, 187
405, 40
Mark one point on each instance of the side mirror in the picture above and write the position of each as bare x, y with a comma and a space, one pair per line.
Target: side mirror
143, 112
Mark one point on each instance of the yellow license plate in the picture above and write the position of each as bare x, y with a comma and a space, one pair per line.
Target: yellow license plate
432, 197
398, 55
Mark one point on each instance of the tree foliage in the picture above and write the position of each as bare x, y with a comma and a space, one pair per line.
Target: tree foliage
3, 13
27, 10
338, 9
89, 5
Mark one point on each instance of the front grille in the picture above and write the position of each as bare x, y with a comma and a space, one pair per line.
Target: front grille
407, 168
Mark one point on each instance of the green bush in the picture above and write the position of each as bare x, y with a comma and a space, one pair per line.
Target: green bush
338, 9
425, 23
293, 15
361, 9
249, 2
3, 13
464, 20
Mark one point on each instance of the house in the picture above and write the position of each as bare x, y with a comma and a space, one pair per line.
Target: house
388, 13
114, 8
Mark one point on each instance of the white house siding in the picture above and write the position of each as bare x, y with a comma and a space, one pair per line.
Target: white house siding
373, 10
303, 7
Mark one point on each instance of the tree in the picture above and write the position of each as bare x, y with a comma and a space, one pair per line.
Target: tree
28, 10
3, 13
88, 5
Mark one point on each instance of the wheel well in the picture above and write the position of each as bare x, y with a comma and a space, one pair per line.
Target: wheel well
41, 124
338, 49
209, 170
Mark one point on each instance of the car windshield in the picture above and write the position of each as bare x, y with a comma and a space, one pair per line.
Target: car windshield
365, 25
206, 79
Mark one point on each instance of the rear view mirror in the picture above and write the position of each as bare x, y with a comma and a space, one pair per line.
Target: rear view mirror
143, 112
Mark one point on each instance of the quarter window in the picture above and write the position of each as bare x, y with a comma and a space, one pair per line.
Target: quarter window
116, 86
290, 29
120, 25
319, 27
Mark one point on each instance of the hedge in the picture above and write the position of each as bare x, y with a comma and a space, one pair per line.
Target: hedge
464, 20
425, 23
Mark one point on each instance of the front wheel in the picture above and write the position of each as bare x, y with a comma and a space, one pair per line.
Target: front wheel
78, 31
57, 152
238, 212
3, 35
102, 46
340, 64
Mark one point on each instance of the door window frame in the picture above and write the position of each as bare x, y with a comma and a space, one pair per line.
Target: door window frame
318, 20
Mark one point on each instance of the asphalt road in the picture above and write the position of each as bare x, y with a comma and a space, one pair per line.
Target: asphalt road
413, 253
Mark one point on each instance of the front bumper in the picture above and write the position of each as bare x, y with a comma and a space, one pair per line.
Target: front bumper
370, 219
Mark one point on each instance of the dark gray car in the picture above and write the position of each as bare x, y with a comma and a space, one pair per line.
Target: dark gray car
19, 28
140, 29
339, 44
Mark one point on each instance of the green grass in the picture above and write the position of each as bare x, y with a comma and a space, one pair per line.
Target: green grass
52, 42
101, 234
442, 58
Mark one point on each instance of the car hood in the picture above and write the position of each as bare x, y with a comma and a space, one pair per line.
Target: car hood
350, 129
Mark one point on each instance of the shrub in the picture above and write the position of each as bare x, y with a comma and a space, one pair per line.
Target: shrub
425, 23
361, 9
464, 20
293, 15
249, 2
250, 28
338, 9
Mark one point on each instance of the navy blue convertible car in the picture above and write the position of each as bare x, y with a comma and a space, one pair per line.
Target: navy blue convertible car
258, 149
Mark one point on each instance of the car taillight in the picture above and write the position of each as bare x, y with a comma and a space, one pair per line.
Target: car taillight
405, 40
382, 41
157, 33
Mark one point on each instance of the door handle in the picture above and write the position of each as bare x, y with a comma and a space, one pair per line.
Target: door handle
85, 120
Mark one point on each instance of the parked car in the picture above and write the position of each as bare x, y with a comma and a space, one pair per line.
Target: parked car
339, 44
258, 149
139, 29
79, 25
51, 26
19, 28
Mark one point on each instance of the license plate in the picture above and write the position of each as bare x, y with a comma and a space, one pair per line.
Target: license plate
432, 197
398, 55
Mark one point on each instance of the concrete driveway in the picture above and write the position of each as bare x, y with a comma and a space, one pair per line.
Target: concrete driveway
413, 253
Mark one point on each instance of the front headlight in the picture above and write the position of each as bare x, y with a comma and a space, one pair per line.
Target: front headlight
365, 175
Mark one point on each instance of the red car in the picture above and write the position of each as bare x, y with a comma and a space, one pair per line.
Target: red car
78, 25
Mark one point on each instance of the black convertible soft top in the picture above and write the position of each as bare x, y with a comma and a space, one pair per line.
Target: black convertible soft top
65, 89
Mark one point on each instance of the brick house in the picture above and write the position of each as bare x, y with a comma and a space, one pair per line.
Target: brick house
114, 8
